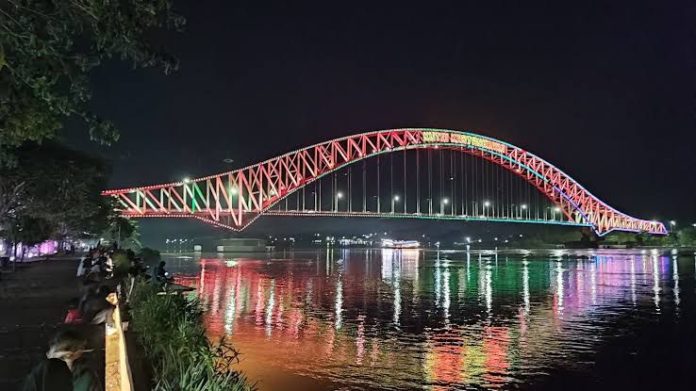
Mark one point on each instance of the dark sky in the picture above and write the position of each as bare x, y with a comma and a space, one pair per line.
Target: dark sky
604, 90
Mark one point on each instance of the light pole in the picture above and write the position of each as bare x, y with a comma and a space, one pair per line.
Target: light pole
555, 210
444, 202
486, 204
523, 207
234, 191
394, 200
339, 195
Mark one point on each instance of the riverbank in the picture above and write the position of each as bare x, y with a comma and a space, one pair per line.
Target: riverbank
33, 301
170, 335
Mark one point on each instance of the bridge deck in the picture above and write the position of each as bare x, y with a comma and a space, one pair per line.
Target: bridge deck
313, 213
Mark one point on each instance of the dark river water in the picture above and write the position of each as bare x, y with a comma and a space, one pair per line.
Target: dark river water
408, 319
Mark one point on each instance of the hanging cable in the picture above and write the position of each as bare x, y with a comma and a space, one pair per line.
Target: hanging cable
405, 188
430, 182
350, 189
462, 179
418, 181
453, 182
442, 183
391, 181
364, 187
379, 210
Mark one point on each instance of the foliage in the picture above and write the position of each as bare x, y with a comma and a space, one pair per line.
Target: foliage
170, 331
686, 236
121, 262
621, 237
149, 255
532, 242
11, 192
32, 230
549, 238
48, 48
123, 231
58, 187
656, 240
565, 235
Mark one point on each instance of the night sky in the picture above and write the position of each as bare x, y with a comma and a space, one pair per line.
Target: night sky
606, 91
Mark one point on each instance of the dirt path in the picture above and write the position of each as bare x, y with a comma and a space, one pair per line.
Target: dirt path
33, 302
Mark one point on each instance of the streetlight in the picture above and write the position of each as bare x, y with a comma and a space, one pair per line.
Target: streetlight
339, 195
314, 194
554, 210
394, 199
234, 190
444, 202
486, 204
523, 207
672, 223
187, 180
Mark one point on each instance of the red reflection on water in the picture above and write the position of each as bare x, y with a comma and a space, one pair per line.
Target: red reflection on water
495, 349
330, 320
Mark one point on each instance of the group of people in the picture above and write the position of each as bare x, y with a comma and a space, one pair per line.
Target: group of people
96, 265
68, 364
95, 272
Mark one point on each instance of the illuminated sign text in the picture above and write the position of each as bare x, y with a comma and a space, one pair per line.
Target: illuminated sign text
463, 139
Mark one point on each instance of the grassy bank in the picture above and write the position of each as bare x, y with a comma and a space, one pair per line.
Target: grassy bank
170, 332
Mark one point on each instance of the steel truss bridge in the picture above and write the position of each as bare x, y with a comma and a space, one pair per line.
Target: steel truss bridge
440, 174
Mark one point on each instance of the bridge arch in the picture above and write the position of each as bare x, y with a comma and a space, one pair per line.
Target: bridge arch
234, 199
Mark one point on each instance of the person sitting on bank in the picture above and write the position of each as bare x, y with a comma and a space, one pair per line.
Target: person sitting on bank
74, 315
93, 306
161, 274
69, 347
51, 374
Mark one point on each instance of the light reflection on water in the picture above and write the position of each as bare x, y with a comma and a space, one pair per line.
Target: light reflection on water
406, 319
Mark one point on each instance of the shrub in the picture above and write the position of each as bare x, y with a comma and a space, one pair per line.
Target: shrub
121, 262
149, 255
169, 329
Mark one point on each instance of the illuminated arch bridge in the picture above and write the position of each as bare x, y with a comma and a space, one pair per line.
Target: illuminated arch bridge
438, 174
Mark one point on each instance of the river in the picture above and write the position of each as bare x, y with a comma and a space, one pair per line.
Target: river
356, 319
